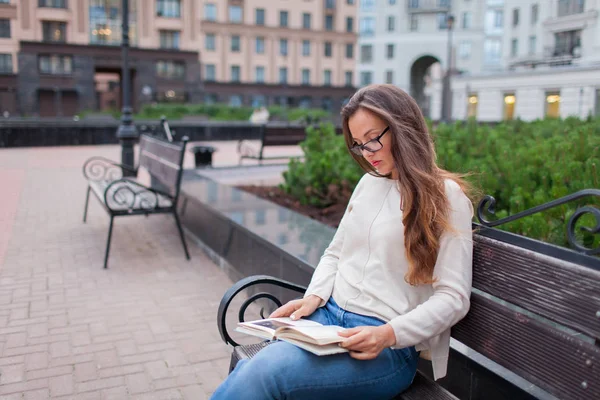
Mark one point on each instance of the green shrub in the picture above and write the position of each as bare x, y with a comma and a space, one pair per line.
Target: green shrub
521, 164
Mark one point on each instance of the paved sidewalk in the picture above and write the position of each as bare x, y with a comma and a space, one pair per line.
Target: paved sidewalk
143, 329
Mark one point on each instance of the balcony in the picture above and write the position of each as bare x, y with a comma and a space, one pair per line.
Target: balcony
428, 6
553, 56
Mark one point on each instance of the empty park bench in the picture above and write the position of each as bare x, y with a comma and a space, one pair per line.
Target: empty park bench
121, 192
272, 135
533, 328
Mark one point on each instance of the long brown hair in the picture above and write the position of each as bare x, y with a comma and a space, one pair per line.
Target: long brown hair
421, 181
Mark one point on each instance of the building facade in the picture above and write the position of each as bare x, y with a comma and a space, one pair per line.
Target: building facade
508, 58
61, 57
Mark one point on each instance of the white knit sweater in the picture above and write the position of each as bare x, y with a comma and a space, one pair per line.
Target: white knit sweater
364, 267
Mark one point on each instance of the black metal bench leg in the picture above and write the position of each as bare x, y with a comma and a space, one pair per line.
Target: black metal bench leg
87, 199
187, 254
108, 242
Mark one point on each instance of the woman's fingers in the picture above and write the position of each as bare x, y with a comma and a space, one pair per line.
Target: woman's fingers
285, 310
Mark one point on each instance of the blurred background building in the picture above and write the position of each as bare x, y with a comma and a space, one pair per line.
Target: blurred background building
509, 58
60, 57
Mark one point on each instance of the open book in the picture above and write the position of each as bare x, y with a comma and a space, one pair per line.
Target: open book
319, 339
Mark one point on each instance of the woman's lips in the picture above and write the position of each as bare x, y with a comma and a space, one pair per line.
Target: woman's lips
375, 163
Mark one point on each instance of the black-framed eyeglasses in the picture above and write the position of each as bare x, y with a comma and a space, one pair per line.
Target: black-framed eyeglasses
372, 145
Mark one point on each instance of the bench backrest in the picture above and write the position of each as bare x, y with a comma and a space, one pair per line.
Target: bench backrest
282, 135
164, 162
536, 313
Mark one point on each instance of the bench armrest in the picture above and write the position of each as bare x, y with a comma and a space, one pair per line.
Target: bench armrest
103, 169
244, 284
129, 194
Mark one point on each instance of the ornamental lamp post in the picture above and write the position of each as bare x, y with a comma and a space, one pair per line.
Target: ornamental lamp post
446, 91
127, 132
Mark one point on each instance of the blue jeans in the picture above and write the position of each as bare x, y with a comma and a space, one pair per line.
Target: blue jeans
284, 371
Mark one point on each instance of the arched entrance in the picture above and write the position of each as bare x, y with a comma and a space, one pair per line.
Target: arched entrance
420, 74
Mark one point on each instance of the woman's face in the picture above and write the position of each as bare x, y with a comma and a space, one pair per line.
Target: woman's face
365, 127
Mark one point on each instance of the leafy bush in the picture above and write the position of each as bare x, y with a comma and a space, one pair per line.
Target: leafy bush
521, 164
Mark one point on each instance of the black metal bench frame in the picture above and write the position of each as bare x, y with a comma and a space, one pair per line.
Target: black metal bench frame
270, 136
123, 195
535, 311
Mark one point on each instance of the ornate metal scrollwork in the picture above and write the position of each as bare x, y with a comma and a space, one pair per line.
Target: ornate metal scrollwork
125, 194
488, 203
104, 169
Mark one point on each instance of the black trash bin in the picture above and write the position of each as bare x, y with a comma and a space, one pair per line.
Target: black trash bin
203, 155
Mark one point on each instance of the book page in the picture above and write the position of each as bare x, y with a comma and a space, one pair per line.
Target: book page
269, 325
319, 334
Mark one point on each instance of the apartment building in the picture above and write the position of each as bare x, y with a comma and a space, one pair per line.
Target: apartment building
60, 57
509, 58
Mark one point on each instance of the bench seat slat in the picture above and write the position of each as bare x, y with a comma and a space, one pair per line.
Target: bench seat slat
554, 360
422, 387
558, 290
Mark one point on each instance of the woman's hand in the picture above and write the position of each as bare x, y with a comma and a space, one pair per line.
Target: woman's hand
297, 309
366, 342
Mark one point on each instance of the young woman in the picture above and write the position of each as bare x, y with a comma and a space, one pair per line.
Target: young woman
397, 273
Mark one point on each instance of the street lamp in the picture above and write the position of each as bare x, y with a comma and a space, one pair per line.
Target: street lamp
127, 133
446, 91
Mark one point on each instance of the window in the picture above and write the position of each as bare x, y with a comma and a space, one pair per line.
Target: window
391, 23
306, 20
392, 2
169, 39
235, 100
534, 14
366, 77
327, 104
532, 44
350, 2
210, 42
570, 7
514, 47
366, 53
235, 43
283, 75
442, 21
327, 77
515, 19
349, 50
53, 3
260, 74
283, 18
235, 14
283, 47
170, 69
56, 64
105, 18
305, 102
327, 49
467, 20
260, 45
473, 100
235, 73
349, 24
4, 28
210, 73
329, 22
54, 31
330, 4
305, 76
552, 105
367, 26
260, 16
306, 48
210, 12
367, 5
414, 23
565, 43
389, 76
492, 49
168, 8
348, 78
509, 106
498, 18
390, 51
6, 66
464, 50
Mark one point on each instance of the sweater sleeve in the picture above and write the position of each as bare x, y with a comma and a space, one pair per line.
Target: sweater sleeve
321, 283
452, 289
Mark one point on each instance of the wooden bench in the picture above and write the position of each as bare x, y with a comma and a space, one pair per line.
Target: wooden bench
534, 317
272, 135
121, 193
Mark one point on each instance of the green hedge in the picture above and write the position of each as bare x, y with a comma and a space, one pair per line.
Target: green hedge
521, 164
